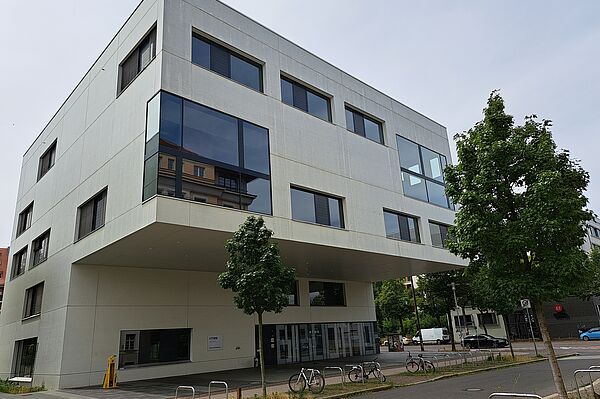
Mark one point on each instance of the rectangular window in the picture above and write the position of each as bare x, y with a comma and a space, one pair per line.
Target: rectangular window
293, 294
24, 359
308, 100
401, 227
47, 160
323, 293
33, 301
487, 318
19, 263
364, 125
460, 320
207, 156
137, 60
316, 208
39, 250
91, 215
439, 233
226, 62
146, 347
422, 173
25, 218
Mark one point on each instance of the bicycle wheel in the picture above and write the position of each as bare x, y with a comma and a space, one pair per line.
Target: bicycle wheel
412, 366
354, 375
428, 366
379, 375
297, 383
317, 384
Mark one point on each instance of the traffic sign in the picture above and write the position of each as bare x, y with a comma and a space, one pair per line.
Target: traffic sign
525, 303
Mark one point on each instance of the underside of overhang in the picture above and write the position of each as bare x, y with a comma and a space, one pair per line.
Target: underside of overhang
169, 246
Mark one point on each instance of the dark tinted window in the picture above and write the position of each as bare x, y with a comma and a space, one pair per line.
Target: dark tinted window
300, 96
363, 125
316, 208
137, 60
226, 62
323, 293
439, 233
293, 294
25, 218
256, 148
170, 120
19, 263
401, 227
256, 195
33, 301
90, 216
25, 351
47, 160
39, 250
138, 347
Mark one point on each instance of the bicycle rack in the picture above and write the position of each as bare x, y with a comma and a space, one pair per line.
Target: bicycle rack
219, 383
592, 369
362, 370
514, 395
185, 387
335, 368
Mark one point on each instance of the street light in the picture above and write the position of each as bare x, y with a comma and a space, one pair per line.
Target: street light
453, 285
412, 286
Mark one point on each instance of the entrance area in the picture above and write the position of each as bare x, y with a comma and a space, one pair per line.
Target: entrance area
295, 343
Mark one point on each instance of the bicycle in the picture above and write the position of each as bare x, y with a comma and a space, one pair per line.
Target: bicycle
372, 368
415, 364
315, 381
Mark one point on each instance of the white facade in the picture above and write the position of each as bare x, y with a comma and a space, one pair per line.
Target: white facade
592, 238
153, 264
477, 323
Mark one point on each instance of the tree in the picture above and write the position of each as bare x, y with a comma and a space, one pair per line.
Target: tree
393, 301
522, 211
257, 276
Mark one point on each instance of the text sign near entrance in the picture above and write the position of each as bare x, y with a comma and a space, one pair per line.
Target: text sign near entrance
215, 342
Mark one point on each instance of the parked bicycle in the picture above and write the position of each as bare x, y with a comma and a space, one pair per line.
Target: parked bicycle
314, 380
372, 368
414, 364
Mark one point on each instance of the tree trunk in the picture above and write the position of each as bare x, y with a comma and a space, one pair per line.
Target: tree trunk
507, 329
556, 373
261, 354
451, 331
483, 323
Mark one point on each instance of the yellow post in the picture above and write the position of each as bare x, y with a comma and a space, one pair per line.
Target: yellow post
110, 378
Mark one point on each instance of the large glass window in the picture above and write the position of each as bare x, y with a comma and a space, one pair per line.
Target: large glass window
226, 62
364, 125
316, 208
24, 361
91, 215
19, 264
308, 100
401, 227
439, 233
33, 301
25, 218
208, 156
137, 60
422, 173
324, 293
146, 347
39, 250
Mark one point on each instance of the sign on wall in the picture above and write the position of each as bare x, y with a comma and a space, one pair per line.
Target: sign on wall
215, 342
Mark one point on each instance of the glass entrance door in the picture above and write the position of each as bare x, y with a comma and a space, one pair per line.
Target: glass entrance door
355, 337
317, 341
284, 344
332, 342
305, 342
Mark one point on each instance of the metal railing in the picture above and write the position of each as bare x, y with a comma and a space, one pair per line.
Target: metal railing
184, 388
335, 368
589, 371
358, 366
513, 395
218, 383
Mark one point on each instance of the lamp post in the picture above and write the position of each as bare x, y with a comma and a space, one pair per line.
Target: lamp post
412, 287
453, 285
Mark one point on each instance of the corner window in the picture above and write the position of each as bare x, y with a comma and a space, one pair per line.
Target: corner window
462, 321
33, 301
47, 160
401, 227
25, 218
147, 347
324, 293
91, 215
39, 250
422, 173
137, 60
293, 294
19, 263
308, 100
364, 125
24, 361
439, 233
225, 62
316, 208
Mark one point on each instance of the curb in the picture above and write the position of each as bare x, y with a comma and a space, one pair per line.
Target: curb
366, 390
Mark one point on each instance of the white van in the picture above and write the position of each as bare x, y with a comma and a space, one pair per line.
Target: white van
432, 336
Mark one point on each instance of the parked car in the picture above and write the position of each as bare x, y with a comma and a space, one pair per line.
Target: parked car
592, 333
406, 340
483, 341
432, 336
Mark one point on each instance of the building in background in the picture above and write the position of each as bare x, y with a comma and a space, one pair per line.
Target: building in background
192, 119
3, 268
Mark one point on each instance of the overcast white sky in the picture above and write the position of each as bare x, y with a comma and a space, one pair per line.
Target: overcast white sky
441, 58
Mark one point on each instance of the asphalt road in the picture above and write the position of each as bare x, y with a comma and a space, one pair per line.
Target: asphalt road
531, 378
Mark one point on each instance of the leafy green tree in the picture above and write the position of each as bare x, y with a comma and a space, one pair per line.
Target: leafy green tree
256, 276
522, 211
393, 300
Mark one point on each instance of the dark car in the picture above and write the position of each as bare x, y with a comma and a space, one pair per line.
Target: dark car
484, 341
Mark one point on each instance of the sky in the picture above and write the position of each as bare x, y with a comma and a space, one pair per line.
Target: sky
441, 58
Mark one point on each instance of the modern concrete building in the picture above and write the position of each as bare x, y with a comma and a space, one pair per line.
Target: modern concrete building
3, 267
592, 240
193, 118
